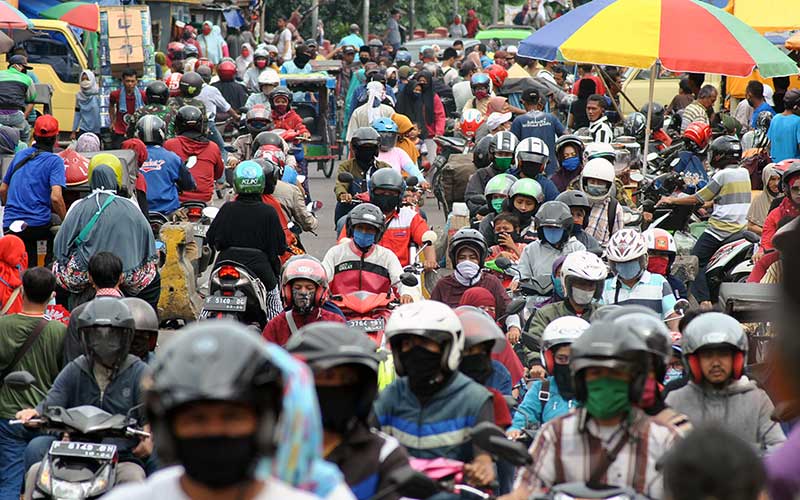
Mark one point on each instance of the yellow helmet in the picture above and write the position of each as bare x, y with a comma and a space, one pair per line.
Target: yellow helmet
109, 160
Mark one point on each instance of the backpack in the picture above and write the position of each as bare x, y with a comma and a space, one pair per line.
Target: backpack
455, 176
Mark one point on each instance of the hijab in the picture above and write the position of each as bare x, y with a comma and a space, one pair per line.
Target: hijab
376, 91
418, 109
13, 262
87, 143
404, 143
85, 95
759, 209
242, 63
211, 44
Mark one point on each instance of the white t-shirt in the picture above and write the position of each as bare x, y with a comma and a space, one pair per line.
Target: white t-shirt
285, 45
165, 485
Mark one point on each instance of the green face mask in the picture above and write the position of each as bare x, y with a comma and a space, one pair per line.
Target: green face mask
497, 204
607, 397
503, 163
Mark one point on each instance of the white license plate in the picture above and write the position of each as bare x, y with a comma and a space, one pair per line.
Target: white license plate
368, 325
200, 230
225, 304
83, 450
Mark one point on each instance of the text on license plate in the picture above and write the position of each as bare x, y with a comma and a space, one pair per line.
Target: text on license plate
368, 325
88, 450
226, 304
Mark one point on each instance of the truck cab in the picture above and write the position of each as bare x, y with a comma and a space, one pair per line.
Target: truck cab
636, 85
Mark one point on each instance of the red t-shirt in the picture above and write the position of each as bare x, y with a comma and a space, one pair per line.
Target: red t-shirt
206, 170
601, 88
119, 125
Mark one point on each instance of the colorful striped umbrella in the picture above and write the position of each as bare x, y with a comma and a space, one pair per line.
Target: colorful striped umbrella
78, 14
680, 35
11, 18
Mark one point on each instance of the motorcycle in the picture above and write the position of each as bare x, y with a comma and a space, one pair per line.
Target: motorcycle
235, 292
200, 216
732, 262
422, 289
83, 466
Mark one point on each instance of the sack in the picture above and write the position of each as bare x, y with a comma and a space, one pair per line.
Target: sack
755, 164
455, 176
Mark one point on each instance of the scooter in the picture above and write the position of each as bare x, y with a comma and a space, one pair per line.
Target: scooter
732, 262
235, 292
200, 216
83, 466
421, 291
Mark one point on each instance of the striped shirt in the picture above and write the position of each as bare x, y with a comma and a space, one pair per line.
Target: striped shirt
730, 190
652, 291
597, 227
694, 112
601, 130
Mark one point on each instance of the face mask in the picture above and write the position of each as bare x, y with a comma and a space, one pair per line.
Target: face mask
391, 82
86, 85
628, 270
649, 394
481, 94
497, 204
385, 202
261, 63
524, 217
582, 297
245, 53
302, 302
417, 94
570, 164
553, 235
531, 170
301, 60
503, 163
672, 374
467, 273
564, 381
425, 379
513, 234
362, 239
106, 352
478, 367
280, 108
595, 190
140, 347
203, 462
607, 397
658, 264
338, 406
206, 31
365, 156
558, 287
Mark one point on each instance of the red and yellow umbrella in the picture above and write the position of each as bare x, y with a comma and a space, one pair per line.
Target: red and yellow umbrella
11, 18
78, 14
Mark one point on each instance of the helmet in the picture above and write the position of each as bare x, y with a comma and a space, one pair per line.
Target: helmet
699, 134
569, 140
532, 150
260, 52
763, 120
145, 339
175, 50
527, 187
272, 173
713, 329
266, 138
402, 58
248, 178
659, 240
471, 238
561, 331
585, 266
553, 214
369, 214
190, 51
226, 71
269, 77
308, 268
657, 119
156, 92
173, 82
725, 150
648, 326
791, 171
191, 84
387, 129
151, 129
204, 71
106, 329
497, 74
600, 169
216, 360
600, 150
109, 160
576, 199
280, 92
431, 320
190, 118
635, 125
484, 152
499, 184
505, 141
257, 119
478, 328
366, 137
470, 122
480, 79
386, 178
626, 245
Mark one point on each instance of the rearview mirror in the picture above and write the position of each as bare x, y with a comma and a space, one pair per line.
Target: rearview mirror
210, 212
412, 181
19, 381
345, 177
503, 263
429, 237
515, 306
408, 279
492, 439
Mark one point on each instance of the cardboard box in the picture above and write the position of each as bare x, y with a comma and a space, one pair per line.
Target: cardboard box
128, 50
124, 23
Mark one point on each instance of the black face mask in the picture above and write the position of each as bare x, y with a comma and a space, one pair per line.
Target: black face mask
339, 406
478, 367
300, 60
424, 371
531, 170
365, 157
140, 346
218, 461
385, 202
564, 381
514, 236
524, 217
391, 82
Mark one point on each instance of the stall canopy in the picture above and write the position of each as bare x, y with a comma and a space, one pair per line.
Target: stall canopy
768, 15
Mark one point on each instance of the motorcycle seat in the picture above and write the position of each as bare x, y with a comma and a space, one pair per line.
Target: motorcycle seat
747, 235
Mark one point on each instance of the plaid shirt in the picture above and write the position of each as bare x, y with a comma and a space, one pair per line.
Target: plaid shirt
598, 222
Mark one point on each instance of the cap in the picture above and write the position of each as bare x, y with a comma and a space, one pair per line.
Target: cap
19, 59
45, 126
404, 72
531, 96
348, 49
496, 119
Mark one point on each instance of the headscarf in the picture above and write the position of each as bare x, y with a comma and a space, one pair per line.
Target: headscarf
404, 143
87, 143
13, 262
419, 110
121, 228
376, 91
298, 460
478, 297
242, 63
211, 44
759, 209
9, 140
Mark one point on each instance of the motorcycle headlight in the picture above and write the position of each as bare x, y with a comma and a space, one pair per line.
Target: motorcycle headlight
43, 481
101, 483
67, 490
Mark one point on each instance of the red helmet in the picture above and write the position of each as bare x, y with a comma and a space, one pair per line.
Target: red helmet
699, 133
174, 84
783, 165
175, 50
226, 71
470, 121
308, 268
497, 74
204, 62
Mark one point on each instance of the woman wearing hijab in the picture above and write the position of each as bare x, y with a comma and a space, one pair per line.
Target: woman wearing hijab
88, 143
162, 68
104, 222
244, 60
87, 106
13, 262
212, 45
759, 208
407, 136
367, 113
457, 29
423, 106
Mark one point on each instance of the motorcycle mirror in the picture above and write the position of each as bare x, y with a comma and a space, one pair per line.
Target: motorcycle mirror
429, 237
681, 306
492, 439
18, 226
503, 263
410, 483
408, 279
210, 212
636, 177
191, 162
19, 381
411, 181
515, 306
652, 157
345, 177
478, 199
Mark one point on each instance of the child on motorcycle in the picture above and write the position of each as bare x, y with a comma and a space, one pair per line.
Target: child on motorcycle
580, 207
506, 233
661, 253
523, 201
257, 120
391, 154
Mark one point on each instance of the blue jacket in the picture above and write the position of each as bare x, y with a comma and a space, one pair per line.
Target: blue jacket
530, 411
441, 427
164, 172
690, 164
500, 379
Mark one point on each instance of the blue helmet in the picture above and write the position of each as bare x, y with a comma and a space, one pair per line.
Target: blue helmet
480, 79
386, 125
402, 58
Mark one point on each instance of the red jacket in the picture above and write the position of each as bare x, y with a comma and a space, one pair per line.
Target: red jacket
206, 170
402, 228
439, 119
785, 209
502, 415
289, 121
277, 330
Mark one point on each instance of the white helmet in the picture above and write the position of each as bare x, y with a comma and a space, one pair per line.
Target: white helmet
532, 150
659, 240
563, 330
505, 141
268, 77
626, 245
431, 320
600, 169
584, 266
599, 150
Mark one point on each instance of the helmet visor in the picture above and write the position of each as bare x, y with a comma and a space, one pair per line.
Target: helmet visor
388, 140
106, 344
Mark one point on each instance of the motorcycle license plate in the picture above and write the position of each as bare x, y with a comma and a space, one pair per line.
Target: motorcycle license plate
200, 230
225, 304
368, 325
83, 450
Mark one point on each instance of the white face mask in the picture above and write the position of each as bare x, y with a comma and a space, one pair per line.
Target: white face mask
582, 297
467, 272
86, 84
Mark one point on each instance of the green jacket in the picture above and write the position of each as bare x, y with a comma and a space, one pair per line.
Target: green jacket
532, 338
351, 167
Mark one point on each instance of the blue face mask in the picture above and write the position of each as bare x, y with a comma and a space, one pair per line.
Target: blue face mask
628, 270
558, 287
570, 164
553, 235
363, 239
672, 374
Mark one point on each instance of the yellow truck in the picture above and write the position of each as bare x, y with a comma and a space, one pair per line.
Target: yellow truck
636, 85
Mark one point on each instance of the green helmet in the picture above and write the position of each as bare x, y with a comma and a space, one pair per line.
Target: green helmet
529, 188
248, 178
499, 184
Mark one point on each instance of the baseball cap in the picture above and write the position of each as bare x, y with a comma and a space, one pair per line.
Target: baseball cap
19, 59
45, 126
531, 95
349, 49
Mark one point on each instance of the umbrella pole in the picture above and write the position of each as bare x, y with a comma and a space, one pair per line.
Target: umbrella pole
653, 71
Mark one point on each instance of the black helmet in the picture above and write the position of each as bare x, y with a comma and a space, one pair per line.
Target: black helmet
205, 73
366, 137
791, 171
280, 91
265, 138
214, 360
190, 51
402, 58
763, 120
576, 199
644, 323
724, 151
146, 337
190, 119
272, 174
106, 328
156, 92
151, 129
366, 213
569, 140
191, 84
657, 120
635, 125
390, 180
471, 238
554, 214
484, 152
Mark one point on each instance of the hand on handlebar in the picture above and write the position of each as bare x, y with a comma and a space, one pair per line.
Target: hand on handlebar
26, 415
406, 299
665, 200
345, 197
430, 265
536, 371
480, 471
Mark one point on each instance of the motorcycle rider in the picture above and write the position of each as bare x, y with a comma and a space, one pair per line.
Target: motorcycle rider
268, 81
427, 344
715, 348
524, 199
293, 204
157, 95
359, 262
553, 395
531, 157
257, 120
365, 145
536, 123
482, 337
661, 253
283, 116
189, 89
272, 173
605, 217
391, 154
481, 88
580, 207
496, 193
345, 367
106, 376
569, 152
729, 190
608, 152
232, 90
500, 159
260, 64
163, 170
691, 160
191, 142
145, 335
